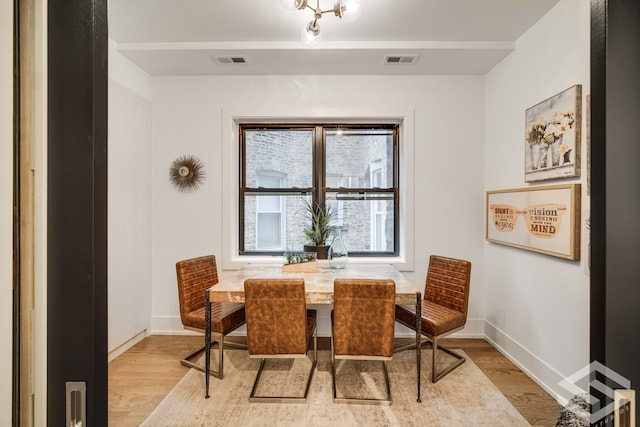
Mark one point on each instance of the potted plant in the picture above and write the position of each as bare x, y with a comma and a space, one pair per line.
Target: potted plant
300, 262
318, 229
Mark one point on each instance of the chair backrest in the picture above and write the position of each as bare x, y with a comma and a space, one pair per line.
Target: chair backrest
195, 276
448, 283
276, 312
363, 317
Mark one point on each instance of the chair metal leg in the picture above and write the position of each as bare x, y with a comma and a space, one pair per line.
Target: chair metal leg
313, 366
288, 399
410, 346
189, 364
386, 379
315, 344
221, 357
336, 399
437, 376
361, 400
188, 361
281, 399
257, 380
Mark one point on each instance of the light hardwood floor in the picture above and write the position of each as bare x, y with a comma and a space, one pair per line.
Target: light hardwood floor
141, 377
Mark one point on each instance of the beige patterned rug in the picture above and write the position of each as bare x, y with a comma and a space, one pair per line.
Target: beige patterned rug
466, 397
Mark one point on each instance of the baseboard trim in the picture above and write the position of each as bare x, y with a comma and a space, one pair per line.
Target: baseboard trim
534, 367
171, 325
127, 345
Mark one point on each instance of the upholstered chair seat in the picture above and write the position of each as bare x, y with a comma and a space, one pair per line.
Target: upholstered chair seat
436, 319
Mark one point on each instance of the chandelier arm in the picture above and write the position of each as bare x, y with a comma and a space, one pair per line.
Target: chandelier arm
303, 5
336, 10
322, 12
319, 12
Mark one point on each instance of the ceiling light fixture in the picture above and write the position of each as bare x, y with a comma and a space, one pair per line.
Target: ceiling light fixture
347, 9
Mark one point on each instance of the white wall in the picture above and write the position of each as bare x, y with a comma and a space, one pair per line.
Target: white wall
128, 74
129, 204
537, 306
448, 150
6, 207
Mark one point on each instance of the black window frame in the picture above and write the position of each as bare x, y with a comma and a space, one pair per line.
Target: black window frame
318, 189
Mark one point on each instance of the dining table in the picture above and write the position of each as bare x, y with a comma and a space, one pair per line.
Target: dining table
318, 290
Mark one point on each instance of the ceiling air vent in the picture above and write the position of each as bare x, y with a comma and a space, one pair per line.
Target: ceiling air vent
232, 59
400, 59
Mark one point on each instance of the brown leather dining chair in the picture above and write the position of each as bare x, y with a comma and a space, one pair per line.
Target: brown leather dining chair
444, 307
362, 323
279, 326
195, 276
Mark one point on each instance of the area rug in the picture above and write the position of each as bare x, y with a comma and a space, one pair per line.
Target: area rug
465, 397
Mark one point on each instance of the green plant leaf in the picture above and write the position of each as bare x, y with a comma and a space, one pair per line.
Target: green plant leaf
320, 226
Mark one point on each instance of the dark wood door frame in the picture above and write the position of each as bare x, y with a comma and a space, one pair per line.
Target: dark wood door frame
597, 179
77, 206
615, 187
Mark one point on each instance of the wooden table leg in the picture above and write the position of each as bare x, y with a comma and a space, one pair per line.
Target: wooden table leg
418, 337
207, 342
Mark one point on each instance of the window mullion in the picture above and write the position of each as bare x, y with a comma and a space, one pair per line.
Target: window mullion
242, 165
396, 187
396, 159
319, 165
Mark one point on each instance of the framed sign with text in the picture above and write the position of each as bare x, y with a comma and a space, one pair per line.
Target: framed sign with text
540, 219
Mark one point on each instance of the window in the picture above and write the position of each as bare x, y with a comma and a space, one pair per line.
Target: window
269, 223
377, 211
351, 168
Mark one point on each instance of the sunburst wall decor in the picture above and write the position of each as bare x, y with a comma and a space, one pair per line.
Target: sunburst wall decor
187, 173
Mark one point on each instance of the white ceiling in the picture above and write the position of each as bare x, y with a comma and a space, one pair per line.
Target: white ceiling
183, 37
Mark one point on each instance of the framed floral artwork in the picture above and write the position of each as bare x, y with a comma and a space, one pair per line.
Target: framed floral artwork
552, 137
543, 219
